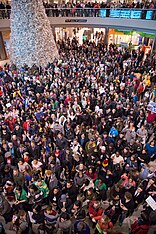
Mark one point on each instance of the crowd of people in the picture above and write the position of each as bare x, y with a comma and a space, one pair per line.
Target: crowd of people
5, 10
92, 9
74, 135
111, 4
86, 9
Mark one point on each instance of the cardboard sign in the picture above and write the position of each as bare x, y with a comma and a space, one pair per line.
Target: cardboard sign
151, 202
152, 107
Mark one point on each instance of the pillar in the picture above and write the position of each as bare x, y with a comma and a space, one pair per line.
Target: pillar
153, 45
106, 36
3, 54
54, 33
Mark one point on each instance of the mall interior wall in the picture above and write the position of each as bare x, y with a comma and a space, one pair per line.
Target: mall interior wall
3, 54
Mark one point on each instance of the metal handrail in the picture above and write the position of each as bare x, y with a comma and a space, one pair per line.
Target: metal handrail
116, 8
91, 8
129, 13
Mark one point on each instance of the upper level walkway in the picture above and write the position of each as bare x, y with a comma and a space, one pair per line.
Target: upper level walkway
137, 19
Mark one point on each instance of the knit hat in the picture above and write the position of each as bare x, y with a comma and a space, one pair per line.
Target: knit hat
105, 163
63, 198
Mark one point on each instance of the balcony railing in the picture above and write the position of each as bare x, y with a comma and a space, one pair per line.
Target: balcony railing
128, 13
104, 12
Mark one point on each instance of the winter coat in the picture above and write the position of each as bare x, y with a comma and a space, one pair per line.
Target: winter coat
97, 213
5, 207
52, 182
78, 181
63, 227
50, 218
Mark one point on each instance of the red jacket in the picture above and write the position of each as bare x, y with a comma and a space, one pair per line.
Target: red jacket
105, 226
95, 213
151, 117
26, 125
140, 229
93, 176
11, 123
67, 100
1, 92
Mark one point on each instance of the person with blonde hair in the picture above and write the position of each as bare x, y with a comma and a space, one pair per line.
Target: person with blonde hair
50, 179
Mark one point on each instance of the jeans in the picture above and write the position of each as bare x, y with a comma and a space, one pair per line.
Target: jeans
122, 216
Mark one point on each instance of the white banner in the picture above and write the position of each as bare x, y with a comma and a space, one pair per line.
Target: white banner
152, 107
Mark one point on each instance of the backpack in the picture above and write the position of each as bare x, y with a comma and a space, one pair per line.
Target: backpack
139, 228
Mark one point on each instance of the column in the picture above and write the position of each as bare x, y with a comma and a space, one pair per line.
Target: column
54, 33
106, 36
3, 54
153, 45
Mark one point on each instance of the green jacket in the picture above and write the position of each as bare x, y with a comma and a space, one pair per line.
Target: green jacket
102, 186
43, 188
22, 196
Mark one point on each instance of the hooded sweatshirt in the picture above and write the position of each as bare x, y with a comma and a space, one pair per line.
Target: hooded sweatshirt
64, 226
50, 218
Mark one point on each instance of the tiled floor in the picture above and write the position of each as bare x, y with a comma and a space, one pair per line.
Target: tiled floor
124, 229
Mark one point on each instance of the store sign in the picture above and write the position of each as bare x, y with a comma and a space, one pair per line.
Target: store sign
128, 14
76, 21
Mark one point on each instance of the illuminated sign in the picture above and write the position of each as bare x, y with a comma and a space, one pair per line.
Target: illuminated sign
103, 13
114, 13
128, 14
125, 14
149, 15
136, 14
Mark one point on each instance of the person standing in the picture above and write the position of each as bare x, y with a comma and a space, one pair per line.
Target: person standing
5, 209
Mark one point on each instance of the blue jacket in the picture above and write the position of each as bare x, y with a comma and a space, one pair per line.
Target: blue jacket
151, 150
76, 228
113, 132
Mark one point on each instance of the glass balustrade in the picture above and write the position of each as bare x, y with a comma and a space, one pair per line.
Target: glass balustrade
124, 13
128, 13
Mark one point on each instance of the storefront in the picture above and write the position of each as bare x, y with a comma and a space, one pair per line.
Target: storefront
122, 38
125, 38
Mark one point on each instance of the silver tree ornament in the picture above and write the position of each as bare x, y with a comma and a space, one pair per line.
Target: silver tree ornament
32, 40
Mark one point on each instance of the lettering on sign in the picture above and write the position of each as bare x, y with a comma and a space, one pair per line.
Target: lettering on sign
75, 20
136, 14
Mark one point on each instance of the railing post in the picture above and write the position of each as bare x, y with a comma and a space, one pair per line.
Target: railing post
3, 54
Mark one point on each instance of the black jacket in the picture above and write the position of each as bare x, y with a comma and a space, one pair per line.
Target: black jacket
38, 217
138, 198
72, 192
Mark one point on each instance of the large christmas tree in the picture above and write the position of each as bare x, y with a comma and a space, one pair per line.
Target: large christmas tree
32, 41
